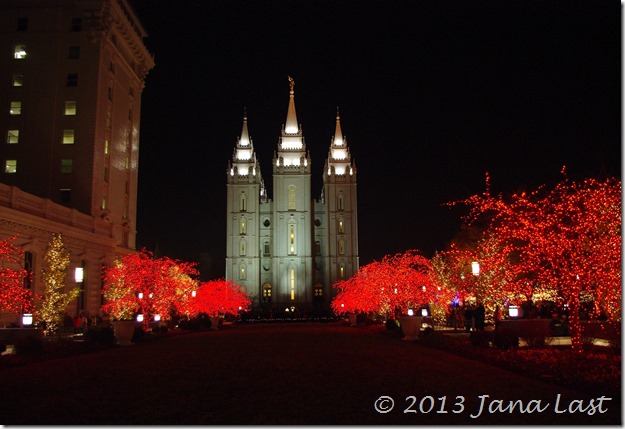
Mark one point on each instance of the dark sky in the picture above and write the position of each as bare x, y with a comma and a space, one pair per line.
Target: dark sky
432, 95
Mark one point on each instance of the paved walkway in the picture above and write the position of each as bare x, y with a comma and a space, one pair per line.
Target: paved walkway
298, 373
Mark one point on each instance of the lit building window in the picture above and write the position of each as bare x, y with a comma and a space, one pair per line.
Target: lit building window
317, 248
342, 271
104, 202
340, 206
292, 282
106, 147
19, 52
266, 248
18, 79
292, 239
266, 292
242, 273
242, 248
242, 227
13, 136
70, 108
66, 165
341, 230
318, 292
341, 247
10, 166
68, 136
16, 108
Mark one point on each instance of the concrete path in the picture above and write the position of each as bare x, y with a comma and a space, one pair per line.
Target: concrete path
299, 373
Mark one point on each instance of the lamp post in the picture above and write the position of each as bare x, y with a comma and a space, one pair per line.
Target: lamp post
79, 277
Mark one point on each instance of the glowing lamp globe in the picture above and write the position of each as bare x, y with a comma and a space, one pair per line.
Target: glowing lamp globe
27, 319
475, 268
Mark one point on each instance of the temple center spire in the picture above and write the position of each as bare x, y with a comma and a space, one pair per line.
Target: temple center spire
291, 126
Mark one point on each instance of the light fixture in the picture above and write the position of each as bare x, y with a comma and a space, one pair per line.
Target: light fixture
27, 319
410, 312
79, 274
139, 317
157, 317
513, 311
475, 268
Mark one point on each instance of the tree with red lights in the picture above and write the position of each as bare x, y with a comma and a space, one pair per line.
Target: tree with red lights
13, 296
567, 239
139, 283
218, 297
391, 286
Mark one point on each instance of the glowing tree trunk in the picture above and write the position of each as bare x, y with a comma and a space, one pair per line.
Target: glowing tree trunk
55, 299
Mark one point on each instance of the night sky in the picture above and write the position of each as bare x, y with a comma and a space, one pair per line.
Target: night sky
432, 95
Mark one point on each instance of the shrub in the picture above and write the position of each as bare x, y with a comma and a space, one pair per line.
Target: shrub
505, 338
28, 345
100, 335
480, 338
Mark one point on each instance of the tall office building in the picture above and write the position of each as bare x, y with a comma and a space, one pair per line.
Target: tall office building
71, 80
288, 250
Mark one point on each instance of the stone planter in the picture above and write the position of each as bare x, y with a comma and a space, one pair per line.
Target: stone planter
411, 327
124, 330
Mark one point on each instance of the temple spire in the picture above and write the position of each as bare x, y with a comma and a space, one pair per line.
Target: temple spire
338, 135
291, 126
244, 140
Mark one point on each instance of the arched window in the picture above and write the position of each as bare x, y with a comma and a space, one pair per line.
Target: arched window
292, 198
341, 227
242, 272
341, 271
339, 202
292, 279
242, 229
341, 247
242, 248
292, 239
266, 248
243, 202
266, 292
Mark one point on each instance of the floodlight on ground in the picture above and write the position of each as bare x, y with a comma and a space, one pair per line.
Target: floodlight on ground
139, 317
157, 317
513, 311
410, 312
